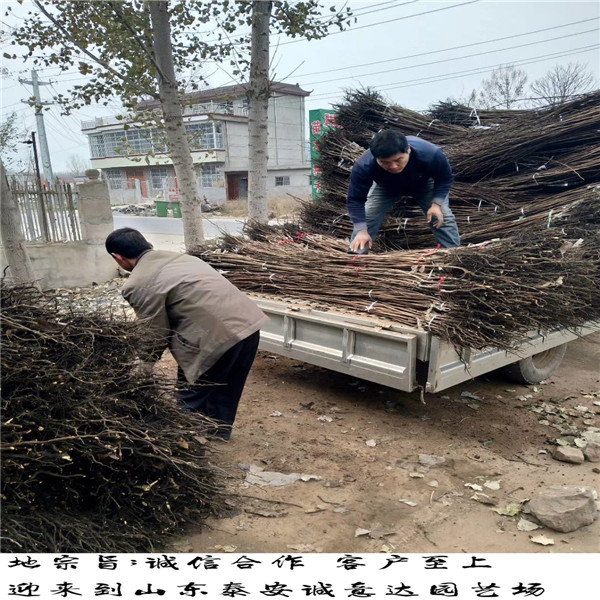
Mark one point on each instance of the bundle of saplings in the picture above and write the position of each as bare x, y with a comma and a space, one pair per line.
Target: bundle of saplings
521, 167
538, 276
95, 457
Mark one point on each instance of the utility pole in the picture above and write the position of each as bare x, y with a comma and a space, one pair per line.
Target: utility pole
39, 117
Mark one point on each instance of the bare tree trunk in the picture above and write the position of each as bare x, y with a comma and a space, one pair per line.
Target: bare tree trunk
179, 149
258, 107
13, 240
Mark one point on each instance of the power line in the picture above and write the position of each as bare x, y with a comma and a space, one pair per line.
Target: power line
403, 57
481, 70
367, 10
67, 131
362, 14
427, 12
303, 39
508, 37
435, 62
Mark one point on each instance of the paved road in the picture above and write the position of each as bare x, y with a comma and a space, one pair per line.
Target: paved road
171, 226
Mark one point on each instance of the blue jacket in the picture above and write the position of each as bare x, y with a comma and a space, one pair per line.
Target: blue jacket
427, 161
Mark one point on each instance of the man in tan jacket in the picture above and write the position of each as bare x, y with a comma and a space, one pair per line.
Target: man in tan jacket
211, 327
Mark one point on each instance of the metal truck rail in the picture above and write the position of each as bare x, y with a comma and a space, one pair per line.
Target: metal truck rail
399, 357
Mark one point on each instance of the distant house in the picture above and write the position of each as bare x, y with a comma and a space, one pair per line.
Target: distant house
217, 121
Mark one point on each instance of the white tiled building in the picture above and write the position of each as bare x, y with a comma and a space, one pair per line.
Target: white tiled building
217, 121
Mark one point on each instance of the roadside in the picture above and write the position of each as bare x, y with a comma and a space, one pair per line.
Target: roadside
393, 474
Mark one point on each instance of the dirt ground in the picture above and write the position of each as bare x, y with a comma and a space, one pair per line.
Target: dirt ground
363, 442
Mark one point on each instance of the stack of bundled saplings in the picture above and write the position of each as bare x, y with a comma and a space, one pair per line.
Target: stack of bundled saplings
521, 164
477, 296
455, 113
527, 203
94, 457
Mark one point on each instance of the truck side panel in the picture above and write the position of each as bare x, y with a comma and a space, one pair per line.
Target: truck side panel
447, 368
382, 356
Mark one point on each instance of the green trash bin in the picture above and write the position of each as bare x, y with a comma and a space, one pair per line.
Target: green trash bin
162, 208
176, 209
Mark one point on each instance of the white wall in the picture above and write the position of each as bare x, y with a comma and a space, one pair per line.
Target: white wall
74, 264
287, 139
299, 183
286, 131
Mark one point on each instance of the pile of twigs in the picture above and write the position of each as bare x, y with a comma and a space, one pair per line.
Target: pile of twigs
530, 144
95, 458
477, 296
526, 141
478, 219
529, 165
455, 113
531, 281
364, 112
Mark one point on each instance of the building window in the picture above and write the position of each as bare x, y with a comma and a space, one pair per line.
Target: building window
138, 141
132, 141
209, 175
159, 141
205, 136
219, 135
97, 146
283, 180
161, 177
114, 177
114, 143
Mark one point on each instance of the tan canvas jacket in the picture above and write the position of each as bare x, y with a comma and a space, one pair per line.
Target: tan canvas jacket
192, 309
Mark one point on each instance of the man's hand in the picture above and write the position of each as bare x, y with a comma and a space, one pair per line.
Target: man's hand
435, 210
361, 240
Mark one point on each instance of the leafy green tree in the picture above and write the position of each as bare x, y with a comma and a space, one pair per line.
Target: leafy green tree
126, 51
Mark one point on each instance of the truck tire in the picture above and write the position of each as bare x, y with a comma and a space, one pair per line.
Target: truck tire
536, 368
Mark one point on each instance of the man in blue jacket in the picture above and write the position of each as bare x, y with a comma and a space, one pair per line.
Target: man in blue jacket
394, 166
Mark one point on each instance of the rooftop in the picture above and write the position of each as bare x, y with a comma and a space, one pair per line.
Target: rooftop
232, 91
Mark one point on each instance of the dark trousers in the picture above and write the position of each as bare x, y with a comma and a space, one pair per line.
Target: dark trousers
216, 394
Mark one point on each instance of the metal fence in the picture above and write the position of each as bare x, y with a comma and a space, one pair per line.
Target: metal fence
47, 215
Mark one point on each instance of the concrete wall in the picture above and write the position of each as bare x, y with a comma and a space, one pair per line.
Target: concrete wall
74, 264
81, 263
286, 131
216, 195
95, 215
299, 183
133, 196
236, 142
287, 138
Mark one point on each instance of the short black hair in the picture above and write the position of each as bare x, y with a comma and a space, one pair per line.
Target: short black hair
127, 242
388, 142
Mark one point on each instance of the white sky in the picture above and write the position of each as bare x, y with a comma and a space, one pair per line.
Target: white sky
413, 55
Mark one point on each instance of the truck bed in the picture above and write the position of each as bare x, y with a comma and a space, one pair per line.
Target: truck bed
390, 354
